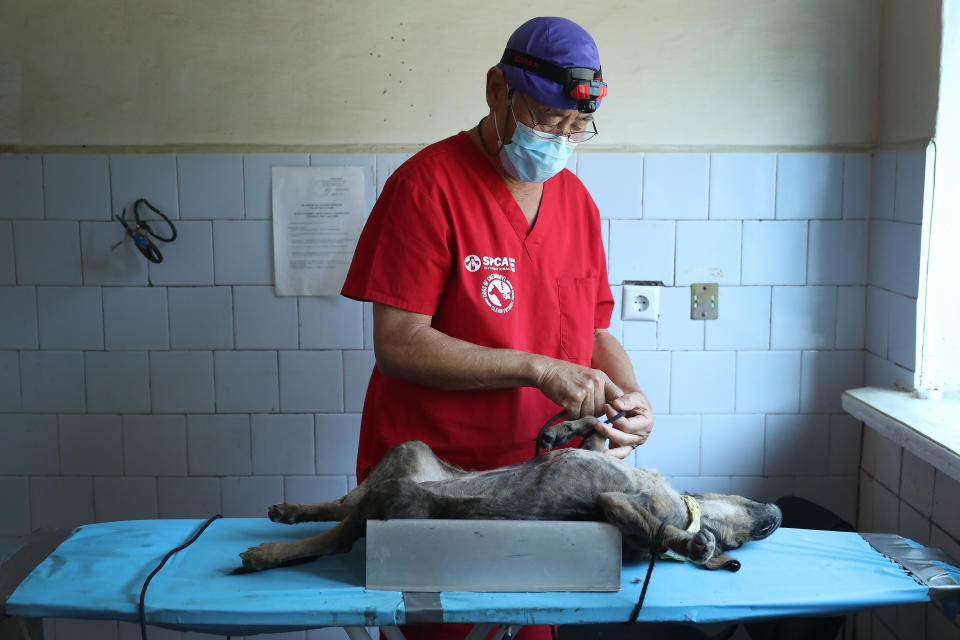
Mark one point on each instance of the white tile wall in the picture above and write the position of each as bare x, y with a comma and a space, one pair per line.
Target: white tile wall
109, 256
15, 503
124, 499
743, 322
70, 317
250, 497
188, 497
8, 273
793, 444
641, 250
76, 187
774, 252
857, 168
838, 252
357, 367
18, 317
181, 382
242, 252
732, 445
825, 376
337, 440
895, 256
257, 170
263, 320
652, 371
155, 445
30, 445
883, 184
118, 381
809, 185
47, 252
742, 186
246, 381
60, 503
211, 186
675, 186
21, 183
331, 323
201, 317
314, 488
219, 445
282, 444
91, 445
135, 318
672, 446
10, 382
311, 381
53, 381
803, 318
708, 252
676, 330
203, 366
188, 260
908, 198
768, 381
615, 180
702, 382
153, 177
851, 310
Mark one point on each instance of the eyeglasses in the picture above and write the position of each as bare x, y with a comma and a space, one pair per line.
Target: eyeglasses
550, 132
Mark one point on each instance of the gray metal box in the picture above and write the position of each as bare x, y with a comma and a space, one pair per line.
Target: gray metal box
492, 555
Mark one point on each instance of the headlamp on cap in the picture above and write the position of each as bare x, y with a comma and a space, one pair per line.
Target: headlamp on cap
583, 84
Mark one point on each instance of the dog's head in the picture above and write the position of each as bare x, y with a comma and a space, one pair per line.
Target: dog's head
734, 520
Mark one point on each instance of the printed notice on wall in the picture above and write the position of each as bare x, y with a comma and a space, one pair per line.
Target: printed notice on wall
317, 218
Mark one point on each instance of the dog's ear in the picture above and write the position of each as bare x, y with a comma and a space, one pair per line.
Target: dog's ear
723, 561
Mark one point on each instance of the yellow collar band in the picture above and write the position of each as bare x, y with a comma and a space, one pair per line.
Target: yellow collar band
693, 508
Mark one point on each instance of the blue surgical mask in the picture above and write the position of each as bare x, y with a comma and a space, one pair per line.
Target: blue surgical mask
530, 158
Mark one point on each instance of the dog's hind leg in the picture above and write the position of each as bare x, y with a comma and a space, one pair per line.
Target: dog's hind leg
562, 433
337, 539
631, 516
413, 459
293, 512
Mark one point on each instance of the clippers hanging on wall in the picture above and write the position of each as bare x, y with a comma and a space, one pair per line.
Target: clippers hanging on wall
139, 230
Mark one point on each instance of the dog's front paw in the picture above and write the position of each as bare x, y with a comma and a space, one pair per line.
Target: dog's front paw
285, 513
562, 433
260, 557
701, 547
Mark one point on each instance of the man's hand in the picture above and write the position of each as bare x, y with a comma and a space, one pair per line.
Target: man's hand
580, 390
630, 431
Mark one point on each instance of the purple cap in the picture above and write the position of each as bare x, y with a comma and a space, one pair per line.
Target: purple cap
557, 40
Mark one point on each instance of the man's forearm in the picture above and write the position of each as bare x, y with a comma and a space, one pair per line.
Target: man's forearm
610, 357
417, 352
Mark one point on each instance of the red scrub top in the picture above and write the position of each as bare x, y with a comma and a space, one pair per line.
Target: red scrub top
447, 239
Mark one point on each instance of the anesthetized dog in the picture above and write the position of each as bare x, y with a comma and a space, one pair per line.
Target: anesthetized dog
564, 484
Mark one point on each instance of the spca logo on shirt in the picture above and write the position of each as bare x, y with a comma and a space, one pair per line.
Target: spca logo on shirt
473, 262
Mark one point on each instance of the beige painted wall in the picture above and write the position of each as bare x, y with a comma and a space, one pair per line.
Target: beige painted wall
909, 69
314, 72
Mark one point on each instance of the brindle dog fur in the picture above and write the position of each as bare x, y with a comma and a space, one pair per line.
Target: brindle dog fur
564, 484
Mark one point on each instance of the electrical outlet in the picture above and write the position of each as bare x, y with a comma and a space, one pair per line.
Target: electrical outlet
640, 302
704, 301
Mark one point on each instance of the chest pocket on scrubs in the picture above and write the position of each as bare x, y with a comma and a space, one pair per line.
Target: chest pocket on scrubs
578, 299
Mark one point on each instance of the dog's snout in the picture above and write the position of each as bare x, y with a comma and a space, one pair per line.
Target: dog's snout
769, 523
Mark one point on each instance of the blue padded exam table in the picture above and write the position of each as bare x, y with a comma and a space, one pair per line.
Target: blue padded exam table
98, 572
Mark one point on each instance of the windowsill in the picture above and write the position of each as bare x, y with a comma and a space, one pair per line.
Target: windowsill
930, 429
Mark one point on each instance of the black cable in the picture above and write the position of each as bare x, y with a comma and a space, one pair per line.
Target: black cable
136, 231
146, 583
143, 225
546, 425
656, 548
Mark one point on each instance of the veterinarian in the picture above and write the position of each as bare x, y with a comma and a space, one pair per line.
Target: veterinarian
484, 262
